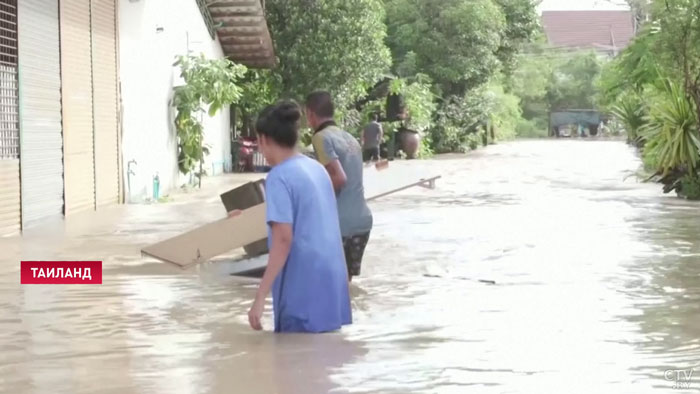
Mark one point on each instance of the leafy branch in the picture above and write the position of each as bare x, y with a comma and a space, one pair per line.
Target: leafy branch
211, 83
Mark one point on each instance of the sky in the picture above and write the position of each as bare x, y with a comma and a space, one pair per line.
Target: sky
550, 5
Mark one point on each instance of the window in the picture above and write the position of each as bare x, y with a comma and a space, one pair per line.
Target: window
9, 106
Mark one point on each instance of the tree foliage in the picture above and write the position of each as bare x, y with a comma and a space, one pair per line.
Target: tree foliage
573, 84
658, 77
666, 48
531, 82
459, 44
419, 100
336, 45
545, 81
211, 83
463, 121
671, 131
465, 48
522, 26
454, 42
444, 55
259, 89
678, 39
631, 112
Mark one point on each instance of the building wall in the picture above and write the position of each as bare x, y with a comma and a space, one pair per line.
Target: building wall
151, 34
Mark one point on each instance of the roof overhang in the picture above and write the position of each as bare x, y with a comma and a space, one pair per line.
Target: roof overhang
243, 32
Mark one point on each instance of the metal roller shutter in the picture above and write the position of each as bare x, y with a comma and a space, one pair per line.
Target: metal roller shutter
104, 85
9, 196
76, 78
10, 214
40, 107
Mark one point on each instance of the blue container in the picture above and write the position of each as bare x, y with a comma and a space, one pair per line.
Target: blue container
156, 187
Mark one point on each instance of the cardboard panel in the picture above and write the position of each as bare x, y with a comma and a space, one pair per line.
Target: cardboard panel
213, 239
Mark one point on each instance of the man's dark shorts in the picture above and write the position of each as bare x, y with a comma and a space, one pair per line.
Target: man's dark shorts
354, 247
371, 154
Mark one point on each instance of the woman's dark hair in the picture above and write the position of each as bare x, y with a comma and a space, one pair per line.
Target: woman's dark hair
280, 122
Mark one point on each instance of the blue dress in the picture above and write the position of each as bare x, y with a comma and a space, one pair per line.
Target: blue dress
310, 294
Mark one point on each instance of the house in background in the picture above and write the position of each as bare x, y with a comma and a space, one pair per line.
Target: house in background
607, 32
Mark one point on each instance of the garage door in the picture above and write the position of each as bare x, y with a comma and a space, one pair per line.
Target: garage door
76, 63
104, 83
40, 106
9, 121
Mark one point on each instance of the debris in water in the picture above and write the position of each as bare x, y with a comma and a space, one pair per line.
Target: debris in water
487, 281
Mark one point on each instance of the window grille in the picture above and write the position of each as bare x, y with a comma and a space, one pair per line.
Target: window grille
204, 10
9, 105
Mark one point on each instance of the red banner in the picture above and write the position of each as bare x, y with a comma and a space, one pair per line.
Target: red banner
61, 272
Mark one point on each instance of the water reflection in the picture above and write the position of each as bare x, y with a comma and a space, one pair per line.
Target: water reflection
665, 289
597, 290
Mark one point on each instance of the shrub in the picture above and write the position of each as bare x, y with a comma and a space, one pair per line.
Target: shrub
630, 111
689, 187
671, 131
533, 128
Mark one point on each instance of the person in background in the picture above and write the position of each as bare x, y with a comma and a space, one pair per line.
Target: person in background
372, 137
341, 154
306, 266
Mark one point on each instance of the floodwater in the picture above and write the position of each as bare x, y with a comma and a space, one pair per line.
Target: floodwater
597, 290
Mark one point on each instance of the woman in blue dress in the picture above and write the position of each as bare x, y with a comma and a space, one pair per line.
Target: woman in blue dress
306, 268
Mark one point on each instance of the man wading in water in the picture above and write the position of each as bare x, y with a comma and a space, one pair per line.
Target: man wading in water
341, 154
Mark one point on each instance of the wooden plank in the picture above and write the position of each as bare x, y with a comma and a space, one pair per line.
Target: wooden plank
213, 239
425, 182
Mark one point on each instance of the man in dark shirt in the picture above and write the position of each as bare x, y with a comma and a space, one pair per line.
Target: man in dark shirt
372, 138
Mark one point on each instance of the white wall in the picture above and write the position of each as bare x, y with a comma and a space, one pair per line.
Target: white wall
147, 78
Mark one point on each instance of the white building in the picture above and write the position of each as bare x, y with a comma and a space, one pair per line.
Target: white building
86, 88
151, 34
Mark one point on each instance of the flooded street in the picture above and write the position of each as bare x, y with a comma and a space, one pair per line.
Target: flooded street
597, 290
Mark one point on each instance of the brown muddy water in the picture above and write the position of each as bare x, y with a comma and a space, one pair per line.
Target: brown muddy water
597, 291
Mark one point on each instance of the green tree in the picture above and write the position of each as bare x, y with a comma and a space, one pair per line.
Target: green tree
419, 100
654, 87
210, 85
666, 48
678, 39
336, 45
459, 44
522, 26
259, 89
462, 122
454, 42
530, 82
573, 83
